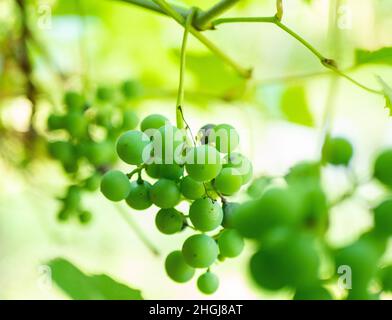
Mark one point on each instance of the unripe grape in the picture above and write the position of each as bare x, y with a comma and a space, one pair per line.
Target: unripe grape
168, 144
115, 185
315, 292
165, 193
205, 214
205, 132
63, 215
76, 124
131, 89
192, 189
383, 168
208, 282
177, 269
171, 171
55, 122
129, 120
73, 198
153, 170
92, 183
229, 209
383, 218
62, 150
85, 217
304, 172
169, 221
133, 147
100, 153
203, 163
362, 257
153, 121
230, 243
241, 163
386, 278
105, 93
226, 138
337, 151
228, 181
258, 187
74, 101
200, 251
139, 195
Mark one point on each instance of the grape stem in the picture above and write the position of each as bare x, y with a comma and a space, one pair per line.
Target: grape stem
203, 19
138, 170
327, 63
180, 94
139, 233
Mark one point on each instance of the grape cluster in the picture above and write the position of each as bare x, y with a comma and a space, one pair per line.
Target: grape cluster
289, 223
82, 137
203, 171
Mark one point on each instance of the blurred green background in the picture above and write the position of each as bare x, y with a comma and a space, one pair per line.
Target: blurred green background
90, 43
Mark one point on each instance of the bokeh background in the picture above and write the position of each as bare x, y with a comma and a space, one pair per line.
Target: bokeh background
83, 44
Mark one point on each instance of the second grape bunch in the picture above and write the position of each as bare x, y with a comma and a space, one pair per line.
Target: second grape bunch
203, 171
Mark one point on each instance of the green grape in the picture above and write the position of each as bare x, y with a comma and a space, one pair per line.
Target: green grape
104, 116
205, 132
200, 251
92, 183
74, 101
129, 120
205, 214
73, 198
258, 187
76, 124
153, 121
71, 167
153, 170
203, 163
276, 208
229, 209
85, 217
133, 147
63, 215
226, 138
228, 181
241, 163
168, 142
230, 243
177, 269
386, 278
55, 122
131, 89
383, 168
315, 292
337, 151
383, 218
171, 171
208, 282
100, 153
169, 221
192, 189
304, 172
105, 93
362, 257
139, 195
165, 194
62, 150
115, 185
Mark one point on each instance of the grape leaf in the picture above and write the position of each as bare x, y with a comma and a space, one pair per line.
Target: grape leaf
79, 286
294, 106
388, 95
381, 56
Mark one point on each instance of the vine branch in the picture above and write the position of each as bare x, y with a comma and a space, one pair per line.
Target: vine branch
204, 18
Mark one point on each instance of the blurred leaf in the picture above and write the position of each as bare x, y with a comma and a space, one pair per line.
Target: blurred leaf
214, 77
388, 95
294, 106
381, 56
80, 286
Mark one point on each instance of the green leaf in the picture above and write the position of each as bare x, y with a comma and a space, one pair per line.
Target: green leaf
80, 286
388, 95
294, 106
381, 56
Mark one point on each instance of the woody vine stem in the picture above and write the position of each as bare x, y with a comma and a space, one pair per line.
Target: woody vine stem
209, 20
